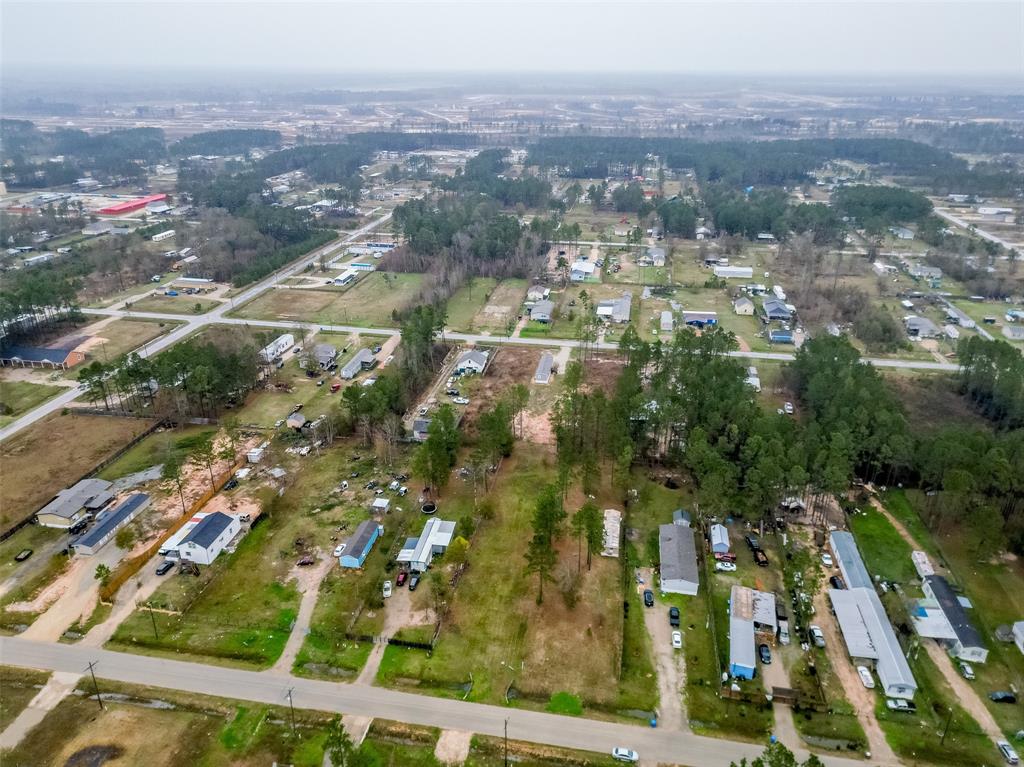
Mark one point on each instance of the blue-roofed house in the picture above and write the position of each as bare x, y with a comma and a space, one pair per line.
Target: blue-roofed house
109, 522
358, 547
208, 539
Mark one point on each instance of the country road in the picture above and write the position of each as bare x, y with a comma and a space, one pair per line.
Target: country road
655, 745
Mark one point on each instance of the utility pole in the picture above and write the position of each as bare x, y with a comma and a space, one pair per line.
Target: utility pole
96, 687
506, 741
945, 729
292, 707
153, 618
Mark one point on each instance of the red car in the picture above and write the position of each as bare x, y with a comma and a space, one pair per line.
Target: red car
727, 556
402, 575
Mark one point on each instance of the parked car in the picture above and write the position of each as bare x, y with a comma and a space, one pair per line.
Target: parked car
423, 410
898, 704
453, 392
22, 555
677, 640
298, 406
1002, 696
966, 671
836, 582
231, 484
402, 576
306, 561
460, 400
752, 542
339, 550
414, 581
725, 567
387, 589
760, 558
673, 617
278, 423
376, 349
817, 636
826, 559
725, 556
164, 567
621, 754
764, 652
648, 598
787, 408
1007, 751
865, 677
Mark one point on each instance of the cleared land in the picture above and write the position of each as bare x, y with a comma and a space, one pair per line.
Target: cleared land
369, 302
122, 336
154, 449
54, 452
18, 397
467, 301
17, 687
174, 304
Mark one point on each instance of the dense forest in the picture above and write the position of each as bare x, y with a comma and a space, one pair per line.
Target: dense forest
226, 142
875, 207
773, 163
484, 174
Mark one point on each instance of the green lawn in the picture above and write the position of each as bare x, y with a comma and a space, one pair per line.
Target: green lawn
885, 553
18, 397
17, 687
179, 304
468, 301
153, 450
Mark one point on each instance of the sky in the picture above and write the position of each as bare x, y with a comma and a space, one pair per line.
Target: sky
912, 38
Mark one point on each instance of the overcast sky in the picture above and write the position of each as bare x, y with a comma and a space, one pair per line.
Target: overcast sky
967, 39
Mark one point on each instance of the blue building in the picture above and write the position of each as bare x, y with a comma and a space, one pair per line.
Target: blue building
359, 545
780, 336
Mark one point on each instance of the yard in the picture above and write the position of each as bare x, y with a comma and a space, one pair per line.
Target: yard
370, 302
886, 554
19, 397
467, 301
179, 304
123, 336
17, 687
498, 643
153, 450
34, 471
502, 306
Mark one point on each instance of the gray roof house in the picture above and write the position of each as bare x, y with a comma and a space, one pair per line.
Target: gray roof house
964, 641
743, 305
921, 327
75, 503
420, 429
471, 361
324, 354
208, 539
544, 368
616, 309
774, 309
844, 549
678, 553
542, 311
537, 293
418, 553
363, 360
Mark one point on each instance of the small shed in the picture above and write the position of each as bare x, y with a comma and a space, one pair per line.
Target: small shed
743, 306
381, 505
719, 539
667, 322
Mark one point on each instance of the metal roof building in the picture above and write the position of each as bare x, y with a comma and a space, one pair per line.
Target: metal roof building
74, 503
419, 552
719, 539
966, 643
363, 359
358, 546
543, 374
844, 548
742, 657
109, 522
678, 553
207, 539
869, 635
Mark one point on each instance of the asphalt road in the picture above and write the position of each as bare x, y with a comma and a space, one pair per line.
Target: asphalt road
658, 745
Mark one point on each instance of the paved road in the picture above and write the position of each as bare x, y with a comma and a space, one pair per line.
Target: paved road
190, 323
942, 213
658, 745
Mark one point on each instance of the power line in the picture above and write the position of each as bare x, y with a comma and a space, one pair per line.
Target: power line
96, 687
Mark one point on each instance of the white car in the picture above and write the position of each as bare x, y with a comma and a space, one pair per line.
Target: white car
1007, 751
677, 640
621, 754
788, 408
865, 677
966, 671
278, 423
460, 400
339, 550
423, 411
826, 559
725, 567
387, 589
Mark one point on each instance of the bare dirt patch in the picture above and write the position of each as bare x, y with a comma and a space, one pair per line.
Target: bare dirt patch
510, 366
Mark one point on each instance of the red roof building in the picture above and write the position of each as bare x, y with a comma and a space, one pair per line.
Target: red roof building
129, 206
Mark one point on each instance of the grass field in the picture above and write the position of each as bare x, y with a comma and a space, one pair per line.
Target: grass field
153, 450
17, 687
179, 304
885, 553
496, 629
123, 336
370, 302
18, 397
467, 301
502, 307
34, 471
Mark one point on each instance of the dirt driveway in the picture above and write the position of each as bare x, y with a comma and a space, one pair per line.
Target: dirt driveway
668, 662
861, 698
398, 612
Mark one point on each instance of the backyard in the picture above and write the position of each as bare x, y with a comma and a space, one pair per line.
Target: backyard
19, 397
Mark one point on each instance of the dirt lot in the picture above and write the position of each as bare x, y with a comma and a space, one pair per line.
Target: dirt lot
505, 301
510, 366
33, 471
121, 337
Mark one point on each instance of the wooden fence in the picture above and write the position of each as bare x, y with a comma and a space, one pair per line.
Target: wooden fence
130, 567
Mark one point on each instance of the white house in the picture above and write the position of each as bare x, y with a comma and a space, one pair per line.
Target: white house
734, 272
418, 553
471, 361
208, 538
1018, 635
581, 270
743, 306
